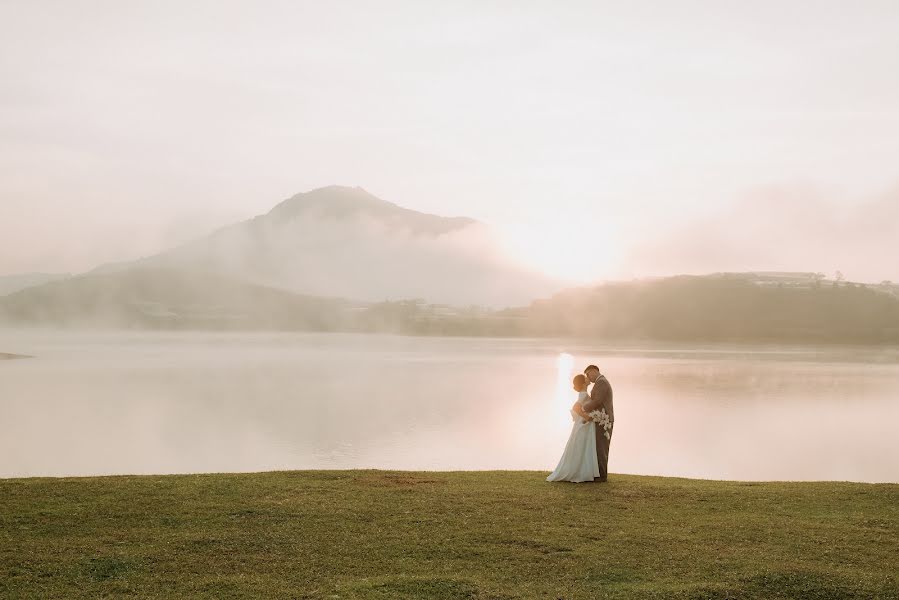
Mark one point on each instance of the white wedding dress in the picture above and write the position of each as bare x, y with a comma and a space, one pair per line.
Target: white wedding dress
578, 462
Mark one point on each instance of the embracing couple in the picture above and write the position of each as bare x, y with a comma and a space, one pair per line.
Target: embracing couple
586, 456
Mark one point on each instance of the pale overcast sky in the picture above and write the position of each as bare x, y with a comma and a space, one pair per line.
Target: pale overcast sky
637, 138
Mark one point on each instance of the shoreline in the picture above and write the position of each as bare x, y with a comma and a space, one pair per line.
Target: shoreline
469, 472
626, 342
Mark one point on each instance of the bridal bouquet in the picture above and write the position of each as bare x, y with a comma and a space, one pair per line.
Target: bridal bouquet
602, 419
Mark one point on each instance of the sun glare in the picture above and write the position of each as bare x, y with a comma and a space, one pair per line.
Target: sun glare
562, 252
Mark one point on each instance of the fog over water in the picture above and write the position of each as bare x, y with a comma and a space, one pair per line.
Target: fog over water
113, 403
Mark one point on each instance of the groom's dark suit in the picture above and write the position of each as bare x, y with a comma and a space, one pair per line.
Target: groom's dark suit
601, 399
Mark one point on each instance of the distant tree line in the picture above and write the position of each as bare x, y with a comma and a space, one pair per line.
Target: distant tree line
720, 309
710, 308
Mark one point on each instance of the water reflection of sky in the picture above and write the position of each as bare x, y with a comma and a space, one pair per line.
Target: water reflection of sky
164, 403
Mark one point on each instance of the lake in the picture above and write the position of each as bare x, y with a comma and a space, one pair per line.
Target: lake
115, 403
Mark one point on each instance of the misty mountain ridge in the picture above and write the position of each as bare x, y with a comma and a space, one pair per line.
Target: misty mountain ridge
345, 242
10, 284
344, 203
341, 259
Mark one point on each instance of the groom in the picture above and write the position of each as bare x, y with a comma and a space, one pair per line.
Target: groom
601, 400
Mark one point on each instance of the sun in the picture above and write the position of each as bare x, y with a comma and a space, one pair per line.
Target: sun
561, 251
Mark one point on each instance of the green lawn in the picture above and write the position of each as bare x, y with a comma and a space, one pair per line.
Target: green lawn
501, 535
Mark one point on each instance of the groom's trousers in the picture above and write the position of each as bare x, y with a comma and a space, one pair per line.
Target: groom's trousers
602, 451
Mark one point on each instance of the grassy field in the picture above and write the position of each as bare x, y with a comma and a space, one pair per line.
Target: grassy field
500, 535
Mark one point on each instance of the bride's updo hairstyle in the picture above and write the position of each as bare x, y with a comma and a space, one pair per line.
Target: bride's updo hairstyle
579, 382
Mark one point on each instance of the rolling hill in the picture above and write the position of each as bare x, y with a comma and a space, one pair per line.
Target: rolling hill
10, 284
714, 308
721, 307
167, 299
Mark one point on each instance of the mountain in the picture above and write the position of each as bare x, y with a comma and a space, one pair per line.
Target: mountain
14, 283
345, 242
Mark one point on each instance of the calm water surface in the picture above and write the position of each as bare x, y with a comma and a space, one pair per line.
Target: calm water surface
208, 402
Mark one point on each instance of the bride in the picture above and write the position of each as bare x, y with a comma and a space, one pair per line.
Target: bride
579, 462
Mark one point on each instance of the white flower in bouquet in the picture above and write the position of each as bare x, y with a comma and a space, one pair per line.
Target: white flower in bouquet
601, 418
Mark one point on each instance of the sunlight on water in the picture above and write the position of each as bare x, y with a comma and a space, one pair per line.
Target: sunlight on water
565, 395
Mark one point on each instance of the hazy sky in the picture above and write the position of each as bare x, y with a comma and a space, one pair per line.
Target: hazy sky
615, 139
